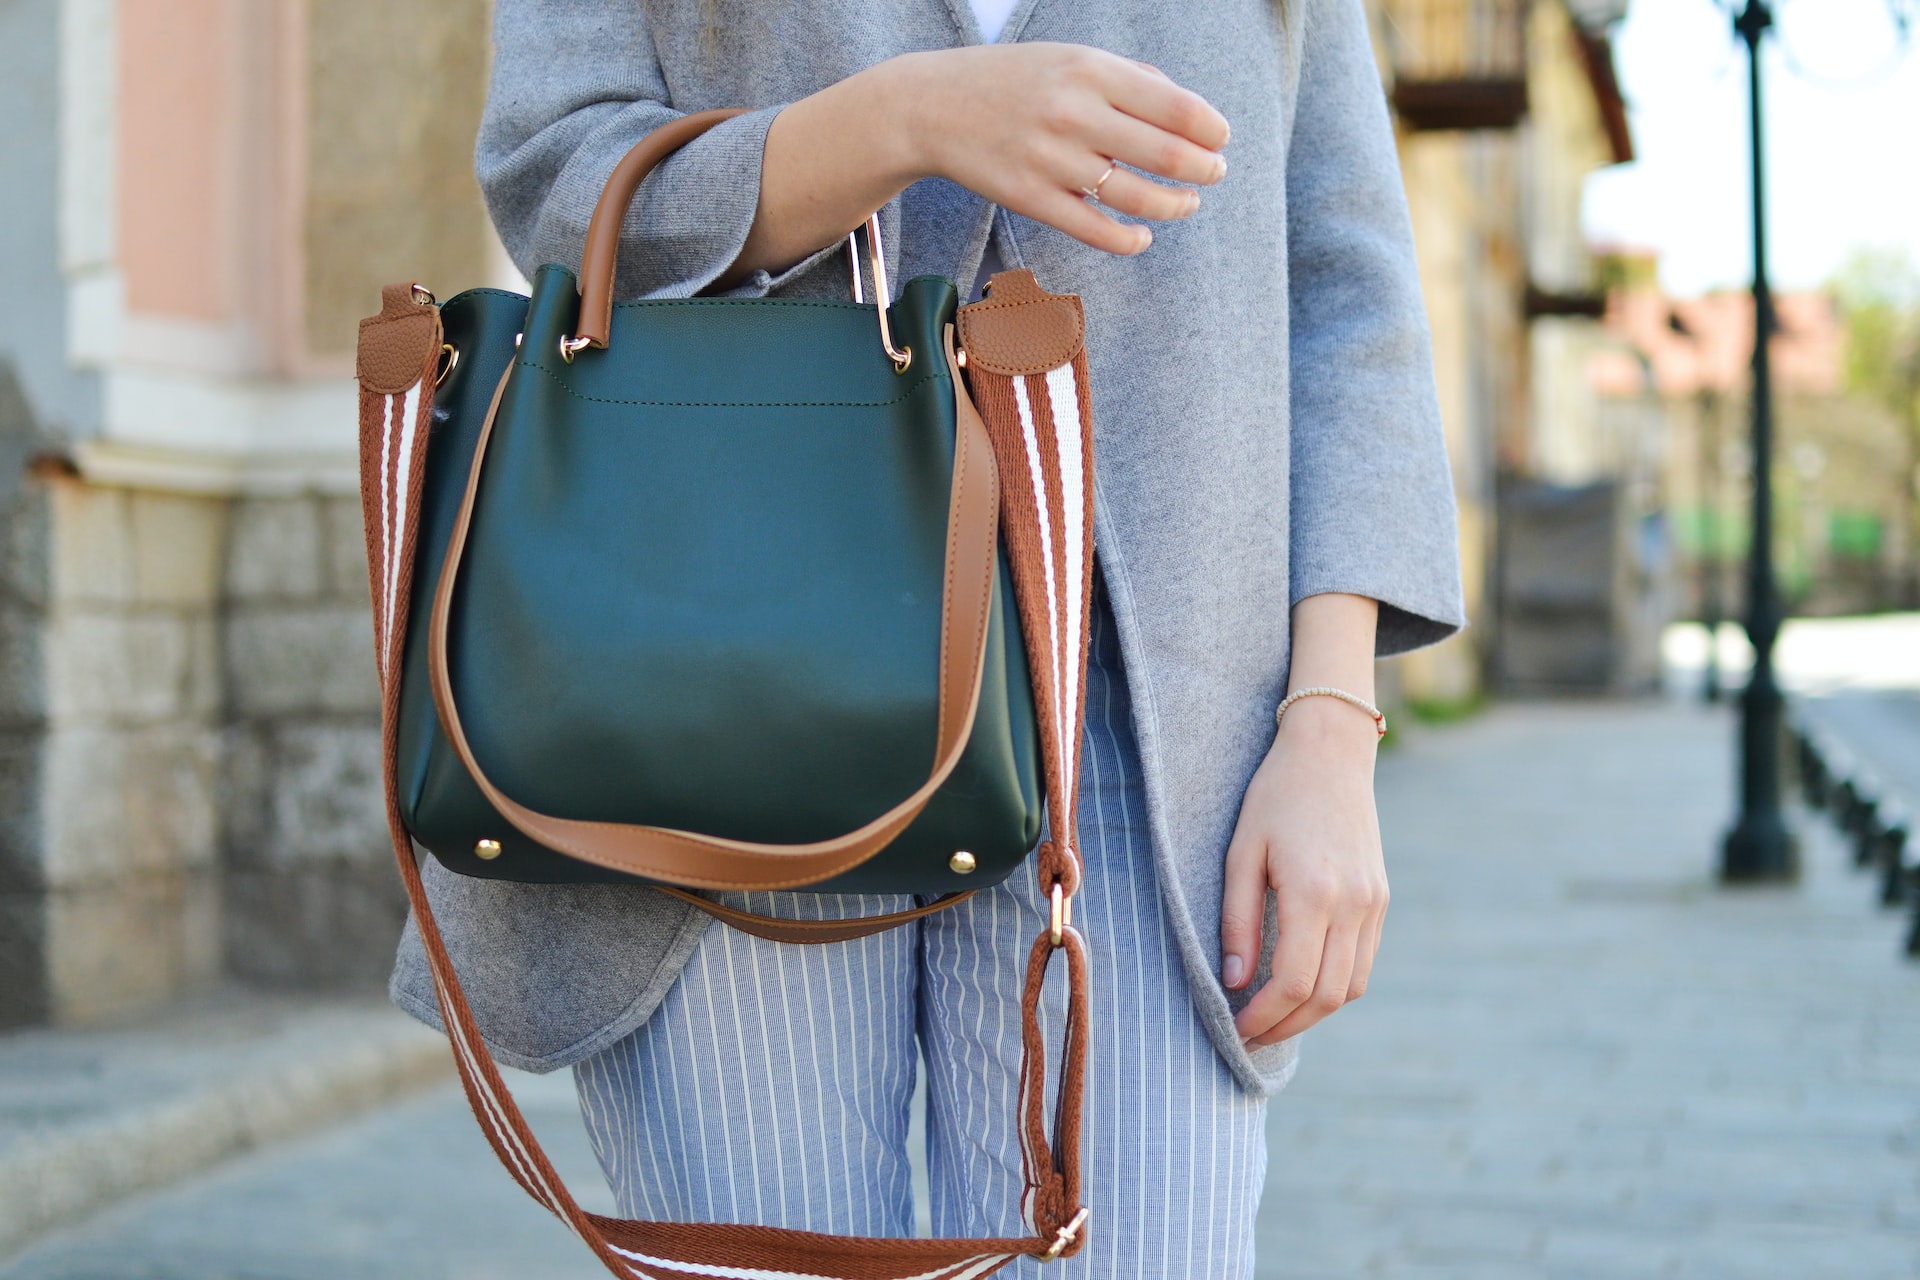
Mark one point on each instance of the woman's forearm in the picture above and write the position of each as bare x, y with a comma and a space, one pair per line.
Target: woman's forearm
831, 159
1027, 126
1333, 637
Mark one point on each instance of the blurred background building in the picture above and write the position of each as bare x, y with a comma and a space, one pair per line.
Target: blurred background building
1844, 478
200, 199
1504, 107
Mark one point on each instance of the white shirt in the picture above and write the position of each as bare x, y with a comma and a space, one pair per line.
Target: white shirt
992, 16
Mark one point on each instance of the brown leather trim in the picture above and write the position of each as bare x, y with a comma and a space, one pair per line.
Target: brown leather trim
774, 929
602, 254
709, 862
1020, 329
396, 344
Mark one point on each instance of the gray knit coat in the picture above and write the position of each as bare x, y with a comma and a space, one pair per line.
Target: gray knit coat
1265, 420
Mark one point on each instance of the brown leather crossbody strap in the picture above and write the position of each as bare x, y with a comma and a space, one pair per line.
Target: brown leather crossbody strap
693, 860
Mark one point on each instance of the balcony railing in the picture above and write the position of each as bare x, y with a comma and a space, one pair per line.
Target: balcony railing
1457, 64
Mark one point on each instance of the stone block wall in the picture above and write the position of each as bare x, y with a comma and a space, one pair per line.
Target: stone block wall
189, 749
189, 754
113, 748
311, 896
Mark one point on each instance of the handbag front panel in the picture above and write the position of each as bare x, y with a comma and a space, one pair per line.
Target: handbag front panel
703, 587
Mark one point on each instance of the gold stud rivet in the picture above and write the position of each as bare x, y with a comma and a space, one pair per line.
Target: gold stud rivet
963, 862
487, 850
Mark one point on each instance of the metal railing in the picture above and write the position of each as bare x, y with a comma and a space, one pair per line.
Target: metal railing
1878, 823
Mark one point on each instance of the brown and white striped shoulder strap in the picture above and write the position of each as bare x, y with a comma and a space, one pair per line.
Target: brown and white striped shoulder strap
1039, 419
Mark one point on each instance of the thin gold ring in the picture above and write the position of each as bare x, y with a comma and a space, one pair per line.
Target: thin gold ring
1093, 192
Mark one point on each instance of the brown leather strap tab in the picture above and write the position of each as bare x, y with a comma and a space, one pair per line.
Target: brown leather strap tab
1019, 328
699, 861
775, 929
602, 255
399, 343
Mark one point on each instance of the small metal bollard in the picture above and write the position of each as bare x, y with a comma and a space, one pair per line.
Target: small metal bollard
1816, 781
1896, 876
1913, 892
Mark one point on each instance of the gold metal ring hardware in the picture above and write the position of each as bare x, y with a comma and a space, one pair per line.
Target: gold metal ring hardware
422, 295
902, 357
1064, 1236
449, 357
963, 863
569, 346
1062, 915
486, 850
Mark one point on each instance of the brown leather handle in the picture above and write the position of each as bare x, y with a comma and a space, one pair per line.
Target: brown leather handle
710, 862
602, 256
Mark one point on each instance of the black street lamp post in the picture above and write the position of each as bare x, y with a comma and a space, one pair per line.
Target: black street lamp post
1760, 847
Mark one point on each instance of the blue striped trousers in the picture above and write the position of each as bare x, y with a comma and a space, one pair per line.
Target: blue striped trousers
774, 1083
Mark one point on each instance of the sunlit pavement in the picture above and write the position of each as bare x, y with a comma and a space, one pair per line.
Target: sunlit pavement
1581, 1057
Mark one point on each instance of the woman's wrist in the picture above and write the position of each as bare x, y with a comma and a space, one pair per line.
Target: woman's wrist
1328, 726
909, 100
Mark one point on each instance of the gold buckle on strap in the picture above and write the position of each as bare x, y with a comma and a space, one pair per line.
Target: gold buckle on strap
1061, 918
1064, 1236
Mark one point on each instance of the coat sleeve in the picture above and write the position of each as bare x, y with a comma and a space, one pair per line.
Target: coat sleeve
1371, 495
575, 85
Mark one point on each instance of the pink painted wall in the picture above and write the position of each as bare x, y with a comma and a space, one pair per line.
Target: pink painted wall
176, 157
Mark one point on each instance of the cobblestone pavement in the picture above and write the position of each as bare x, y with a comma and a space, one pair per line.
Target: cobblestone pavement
409, 1193
1580, 1059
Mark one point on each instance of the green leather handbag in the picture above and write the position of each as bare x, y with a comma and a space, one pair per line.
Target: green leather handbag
713, 594
702, 588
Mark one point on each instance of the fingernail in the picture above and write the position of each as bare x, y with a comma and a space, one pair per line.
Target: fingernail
1193, 203
1232, 970
1220, 168
1146, 238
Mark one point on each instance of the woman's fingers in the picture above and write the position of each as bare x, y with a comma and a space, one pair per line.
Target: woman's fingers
1132, 194
1297, 957
1155, 150
1368, 948
1332, 987
1068, 212
1147, 94
1243, 910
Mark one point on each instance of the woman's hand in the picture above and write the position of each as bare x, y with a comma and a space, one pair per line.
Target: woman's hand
1027, 126
1308, 831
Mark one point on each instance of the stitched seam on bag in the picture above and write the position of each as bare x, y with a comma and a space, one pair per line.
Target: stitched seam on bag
737, 404
486, 293
632, 303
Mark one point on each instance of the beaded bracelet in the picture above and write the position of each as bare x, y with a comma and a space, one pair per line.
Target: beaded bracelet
1327, 691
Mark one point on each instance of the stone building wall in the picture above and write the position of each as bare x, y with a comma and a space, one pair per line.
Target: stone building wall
201, 197
306, 868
